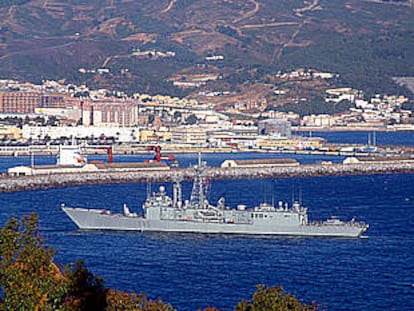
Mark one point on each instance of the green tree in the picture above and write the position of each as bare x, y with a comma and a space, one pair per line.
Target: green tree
177, 116
408, 106
132, 302
47, 139
29, 279
85, 290
191, 119
52, 121
273, 298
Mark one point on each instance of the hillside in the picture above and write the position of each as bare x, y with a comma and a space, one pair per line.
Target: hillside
366, 42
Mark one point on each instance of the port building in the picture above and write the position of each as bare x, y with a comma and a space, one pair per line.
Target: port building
19, 101
189, 135
29, 101
110, 112
87, 168
275, 127
379, 159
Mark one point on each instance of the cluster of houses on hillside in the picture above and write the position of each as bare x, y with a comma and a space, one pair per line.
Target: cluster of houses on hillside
379, 111
26, 111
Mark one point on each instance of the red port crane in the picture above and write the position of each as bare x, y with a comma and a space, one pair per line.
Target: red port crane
109, 152
158, 157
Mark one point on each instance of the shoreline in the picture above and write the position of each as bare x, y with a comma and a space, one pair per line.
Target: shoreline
352, 129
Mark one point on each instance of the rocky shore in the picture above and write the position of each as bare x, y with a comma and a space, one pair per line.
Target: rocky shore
25, 183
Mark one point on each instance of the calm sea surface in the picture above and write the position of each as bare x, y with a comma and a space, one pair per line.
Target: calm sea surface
193, 271
382, 138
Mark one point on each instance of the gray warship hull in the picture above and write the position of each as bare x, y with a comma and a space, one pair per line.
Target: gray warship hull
98, 219
163, 213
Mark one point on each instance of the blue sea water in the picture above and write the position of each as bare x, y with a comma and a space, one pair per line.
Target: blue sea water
363, 137
193, 271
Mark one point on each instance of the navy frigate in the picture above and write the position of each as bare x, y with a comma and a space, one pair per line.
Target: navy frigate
163, 213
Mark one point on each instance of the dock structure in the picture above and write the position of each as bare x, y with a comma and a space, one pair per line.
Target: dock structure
334, 150
24, 183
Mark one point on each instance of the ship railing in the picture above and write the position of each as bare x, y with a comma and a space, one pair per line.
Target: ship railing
248, 221
357, 224
213, 216
204, 219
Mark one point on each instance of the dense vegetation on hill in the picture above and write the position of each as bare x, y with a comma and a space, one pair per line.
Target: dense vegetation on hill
366, 42
31, 280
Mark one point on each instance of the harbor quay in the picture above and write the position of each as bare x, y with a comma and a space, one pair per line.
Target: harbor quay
34, 182
333, 150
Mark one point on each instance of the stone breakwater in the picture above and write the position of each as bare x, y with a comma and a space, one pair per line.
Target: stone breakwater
24, 183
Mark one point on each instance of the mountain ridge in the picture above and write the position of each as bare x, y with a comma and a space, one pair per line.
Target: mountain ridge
366, 42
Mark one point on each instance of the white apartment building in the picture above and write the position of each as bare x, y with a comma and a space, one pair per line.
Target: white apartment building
121, 134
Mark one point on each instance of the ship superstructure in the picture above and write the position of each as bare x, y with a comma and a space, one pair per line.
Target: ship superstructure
171, 214
70, 155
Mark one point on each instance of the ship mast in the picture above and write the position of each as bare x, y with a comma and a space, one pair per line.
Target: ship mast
177, 193
197, 198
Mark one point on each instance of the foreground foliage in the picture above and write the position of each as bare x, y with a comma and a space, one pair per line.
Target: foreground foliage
273, 298
28, 277
30, 280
